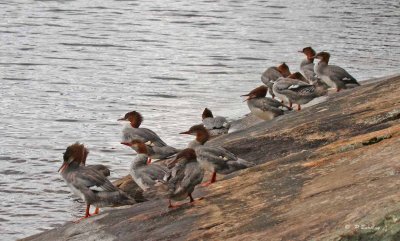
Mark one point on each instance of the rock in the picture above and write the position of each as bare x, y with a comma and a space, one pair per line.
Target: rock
328, 172
127, 185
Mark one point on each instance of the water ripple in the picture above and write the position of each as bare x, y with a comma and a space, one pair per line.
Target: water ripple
70, 69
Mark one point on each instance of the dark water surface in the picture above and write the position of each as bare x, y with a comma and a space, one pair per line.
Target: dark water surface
70, 69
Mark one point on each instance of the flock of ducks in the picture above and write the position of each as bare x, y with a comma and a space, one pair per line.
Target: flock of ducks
176, 178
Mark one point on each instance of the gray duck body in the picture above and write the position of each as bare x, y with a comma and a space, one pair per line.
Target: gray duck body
296, 91
266, 108
93, 187
335, 76
216, 125
145, 175
183, 178
269, 76
157, 148
218, 159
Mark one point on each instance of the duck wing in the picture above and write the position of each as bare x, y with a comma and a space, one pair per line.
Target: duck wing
338, 73
91, 179
266, 103
271, 74
101, 168
218, 122
143, 134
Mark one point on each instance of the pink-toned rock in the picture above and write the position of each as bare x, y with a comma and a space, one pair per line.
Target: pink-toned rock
328, 172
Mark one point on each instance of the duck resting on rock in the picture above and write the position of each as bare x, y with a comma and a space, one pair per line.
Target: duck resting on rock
143, 173
271, 74
297, 91
157, 148
332, 75
215, 125
180, 181
214, 159
264, 107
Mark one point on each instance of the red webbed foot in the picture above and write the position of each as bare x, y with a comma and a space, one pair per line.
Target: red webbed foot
85, 217
206, 184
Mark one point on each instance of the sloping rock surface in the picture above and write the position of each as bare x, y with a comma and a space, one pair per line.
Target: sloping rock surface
328, 172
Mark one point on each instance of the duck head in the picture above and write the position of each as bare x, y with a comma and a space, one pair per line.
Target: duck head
297, 75
260, 91
309, 52
137, 145
323, 56
284, 69
199, 131
186, 155
134, 117
74, 156
207, 114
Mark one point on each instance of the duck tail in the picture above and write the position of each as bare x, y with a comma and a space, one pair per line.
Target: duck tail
245, 163
114, 199
159, 190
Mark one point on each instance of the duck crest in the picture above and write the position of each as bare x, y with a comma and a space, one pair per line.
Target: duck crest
135, 118
310, 53
207, 114
76, 151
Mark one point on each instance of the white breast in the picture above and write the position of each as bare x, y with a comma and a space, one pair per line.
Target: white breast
77, 192
328, 81
265, 115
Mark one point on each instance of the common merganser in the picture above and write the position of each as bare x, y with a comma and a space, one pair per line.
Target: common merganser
264, 107
157, 148
212, 158
307, 65
88, 183
180, 182
282, 97
143, 173
333, 75
296, 90
272, 74
215, 125
98, 167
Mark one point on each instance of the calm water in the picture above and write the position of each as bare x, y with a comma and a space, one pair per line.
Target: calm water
70, 69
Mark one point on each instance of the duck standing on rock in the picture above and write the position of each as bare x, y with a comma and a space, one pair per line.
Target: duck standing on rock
157, 148
264, 107
332, 75
296, 90
215, 125
307, 65
89, 183
180, 182
272, 74
143, 173
211, 158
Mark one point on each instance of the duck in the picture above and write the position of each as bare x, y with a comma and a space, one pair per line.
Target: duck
334, 76
217, 125
180, 182
143, 173
90, 184
264, 107
214, 159
307, 65
272, 74
157, 148
296, 90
